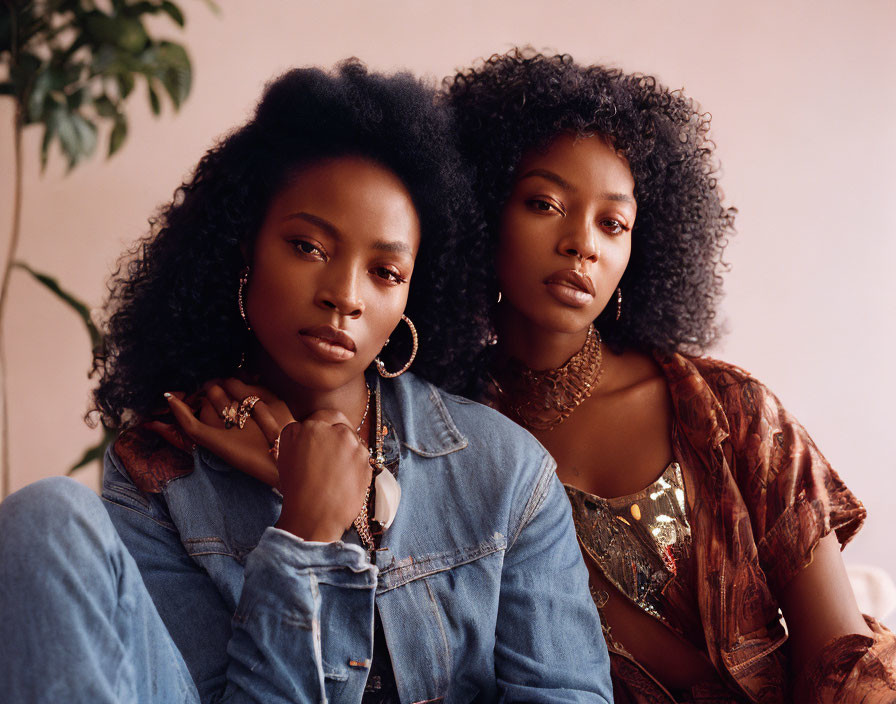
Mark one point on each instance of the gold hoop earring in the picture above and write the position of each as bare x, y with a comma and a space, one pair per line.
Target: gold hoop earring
618, 302
381, 368
244, 279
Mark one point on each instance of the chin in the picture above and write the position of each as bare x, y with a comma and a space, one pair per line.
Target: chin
564, 320
323, 377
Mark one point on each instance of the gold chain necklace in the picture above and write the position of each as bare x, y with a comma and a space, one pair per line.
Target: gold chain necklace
541, 400
377, 464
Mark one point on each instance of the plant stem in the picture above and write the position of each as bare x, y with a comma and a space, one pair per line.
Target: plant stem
19, 121
18, 126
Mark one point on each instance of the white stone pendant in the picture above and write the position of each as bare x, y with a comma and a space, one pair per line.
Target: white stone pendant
388, 494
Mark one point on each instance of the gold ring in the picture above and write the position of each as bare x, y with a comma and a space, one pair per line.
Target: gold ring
230, 414
246, 406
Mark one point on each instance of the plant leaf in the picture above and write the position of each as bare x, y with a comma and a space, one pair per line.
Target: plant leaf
125, 80
118, 134
105, 107
49, 132
176, 73
95, 453
213, 6
76, 135
174, 12
69, 299
86, 134
154, 102
43, 83
101, 28
78, 99
130, 34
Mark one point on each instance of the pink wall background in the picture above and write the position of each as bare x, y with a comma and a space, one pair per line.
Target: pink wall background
803, 115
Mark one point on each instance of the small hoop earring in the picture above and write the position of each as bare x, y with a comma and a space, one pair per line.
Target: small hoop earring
381, 368
618, 302
499, 297
244, 279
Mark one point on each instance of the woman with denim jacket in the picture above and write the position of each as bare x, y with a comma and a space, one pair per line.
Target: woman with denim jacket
386, 541
701, 505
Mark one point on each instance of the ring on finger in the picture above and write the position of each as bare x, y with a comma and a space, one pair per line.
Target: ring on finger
230, 414
245, 410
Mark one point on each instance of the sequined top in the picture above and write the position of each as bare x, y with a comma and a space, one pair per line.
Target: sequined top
641, 543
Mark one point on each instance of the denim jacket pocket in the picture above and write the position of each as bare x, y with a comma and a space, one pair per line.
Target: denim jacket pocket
397, 572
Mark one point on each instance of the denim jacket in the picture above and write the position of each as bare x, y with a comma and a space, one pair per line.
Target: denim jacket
479, 581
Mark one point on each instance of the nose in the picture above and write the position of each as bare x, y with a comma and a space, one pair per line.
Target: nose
342, 293
581, 242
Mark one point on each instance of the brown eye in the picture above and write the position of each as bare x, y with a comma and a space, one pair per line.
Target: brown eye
542, 205
310, 250
614, 227
389, 275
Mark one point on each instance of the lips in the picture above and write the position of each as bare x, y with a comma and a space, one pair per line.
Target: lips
570, 288
573, 279
327, 343
328, 333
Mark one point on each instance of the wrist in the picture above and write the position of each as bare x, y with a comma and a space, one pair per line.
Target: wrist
315, 531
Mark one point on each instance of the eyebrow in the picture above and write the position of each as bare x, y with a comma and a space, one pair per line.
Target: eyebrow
550, 176
324, 225
563, 183
333, 231
394, 246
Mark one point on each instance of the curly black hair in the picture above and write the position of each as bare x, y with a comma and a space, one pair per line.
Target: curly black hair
512, 103
172, 312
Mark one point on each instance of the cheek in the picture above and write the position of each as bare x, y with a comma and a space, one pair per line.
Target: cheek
273, 295
621, 254
520, 248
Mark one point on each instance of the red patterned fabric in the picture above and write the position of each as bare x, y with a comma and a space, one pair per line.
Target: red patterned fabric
150, 461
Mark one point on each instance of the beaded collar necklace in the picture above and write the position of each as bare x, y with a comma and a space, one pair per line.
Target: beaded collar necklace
541, 400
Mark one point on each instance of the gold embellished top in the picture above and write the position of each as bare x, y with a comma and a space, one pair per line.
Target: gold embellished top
642, 544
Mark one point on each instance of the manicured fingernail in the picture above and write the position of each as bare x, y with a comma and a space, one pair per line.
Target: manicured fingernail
168, 395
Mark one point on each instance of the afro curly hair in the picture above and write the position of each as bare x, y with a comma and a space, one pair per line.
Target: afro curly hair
516, 102
172, 315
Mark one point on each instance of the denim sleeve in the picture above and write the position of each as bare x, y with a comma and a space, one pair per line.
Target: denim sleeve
295, 591
274, 648
549, 647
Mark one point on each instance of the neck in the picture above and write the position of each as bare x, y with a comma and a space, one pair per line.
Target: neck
535, 346
349, 399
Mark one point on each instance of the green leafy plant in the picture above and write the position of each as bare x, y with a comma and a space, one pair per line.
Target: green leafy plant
71, 65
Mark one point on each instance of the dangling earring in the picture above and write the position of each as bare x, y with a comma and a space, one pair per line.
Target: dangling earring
618, 302
381, 368
244, 279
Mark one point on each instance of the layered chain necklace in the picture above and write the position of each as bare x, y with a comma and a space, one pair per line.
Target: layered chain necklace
383, 484
541, 400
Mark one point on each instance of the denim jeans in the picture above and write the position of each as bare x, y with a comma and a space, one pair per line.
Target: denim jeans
76, 622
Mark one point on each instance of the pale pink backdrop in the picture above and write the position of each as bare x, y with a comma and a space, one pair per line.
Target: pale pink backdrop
803, 109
